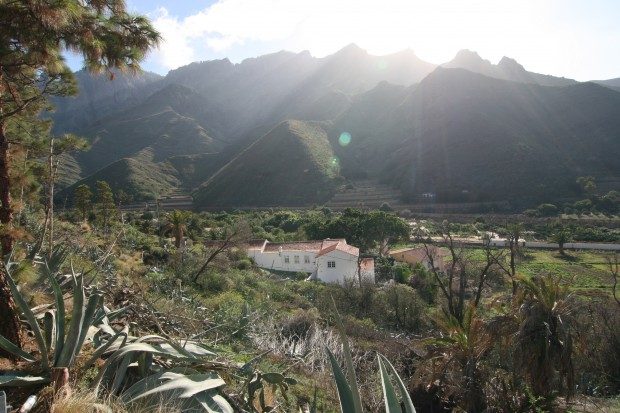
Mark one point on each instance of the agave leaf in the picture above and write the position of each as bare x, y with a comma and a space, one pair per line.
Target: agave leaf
389, 395
187, 385
404, 393
137, 348
348, 361
94, 302
60, 316
102, 349
49, 328
347, 404
119, 375
145, 361
12, 380
105, 317
213, 402
6, 345
151, 381
68, 350
25, 309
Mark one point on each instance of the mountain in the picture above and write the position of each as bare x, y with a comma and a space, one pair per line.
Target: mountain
467, 130
165, 123
466, 136
100, 95
507, 69
291, 165
610, 83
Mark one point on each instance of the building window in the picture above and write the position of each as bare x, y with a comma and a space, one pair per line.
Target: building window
331, 264
286, 260
296, 259
306, 259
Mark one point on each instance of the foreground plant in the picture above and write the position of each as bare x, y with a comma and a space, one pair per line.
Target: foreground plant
58, 345
348, 392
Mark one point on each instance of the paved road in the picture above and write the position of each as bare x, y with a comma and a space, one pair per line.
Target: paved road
499, 242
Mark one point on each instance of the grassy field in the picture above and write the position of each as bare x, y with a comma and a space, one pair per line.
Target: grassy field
581, 269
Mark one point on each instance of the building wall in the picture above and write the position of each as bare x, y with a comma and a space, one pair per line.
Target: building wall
416, 256
345, 269
275, 260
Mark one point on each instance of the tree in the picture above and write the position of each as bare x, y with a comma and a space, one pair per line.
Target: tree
513, 234
365, 230
587, 184
384, 229
105, 207
454, 283
233, 236
82, 199
544, 341
33, 35
561, 236
57, 147
177, 222
614, 265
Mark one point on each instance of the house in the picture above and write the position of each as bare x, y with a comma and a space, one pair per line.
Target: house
329, 260
419, 255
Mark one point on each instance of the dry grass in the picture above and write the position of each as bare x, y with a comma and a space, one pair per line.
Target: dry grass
87, 402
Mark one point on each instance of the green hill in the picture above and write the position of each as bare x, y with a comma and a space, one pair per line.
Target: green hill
293, 164
139, 177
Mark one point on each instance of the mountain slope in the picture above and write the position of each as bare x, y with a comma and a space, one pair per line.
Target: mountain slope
99, 96
156, 124
293, 164
139, 177
466, 136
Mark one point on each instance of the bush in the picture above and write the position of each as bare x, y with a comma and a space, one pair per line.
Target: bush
547, 210
402, 272
424, 283
299, 324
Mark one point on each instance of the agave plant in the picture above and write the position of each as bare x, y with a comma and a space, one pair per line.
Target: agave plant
149, 368
346, 384
58, 345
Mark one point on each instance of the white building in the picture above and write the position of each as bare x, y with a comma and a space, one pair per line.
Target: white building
330, 260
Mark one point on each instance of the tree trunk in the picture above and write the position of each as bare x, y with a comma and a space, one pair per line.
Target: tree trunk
6, 209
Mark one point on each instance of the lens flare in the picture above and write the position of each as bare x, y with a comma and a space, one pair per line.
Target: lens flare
344, 139
334, 163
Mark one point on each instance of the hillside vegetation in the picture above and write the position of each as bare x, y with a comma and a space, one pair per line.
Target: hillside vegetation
293, 164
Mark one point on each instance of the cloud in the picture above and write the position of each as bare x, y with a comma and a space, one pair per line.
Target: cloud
175, 49
435, 29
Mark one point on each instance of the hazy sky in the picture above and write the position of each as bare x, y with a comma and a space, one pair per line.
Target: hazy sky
573, 38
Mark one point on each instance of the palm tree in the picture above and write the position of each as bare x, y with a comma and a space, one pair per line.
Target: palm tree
177, 223
544, 341
454, 359
561, 237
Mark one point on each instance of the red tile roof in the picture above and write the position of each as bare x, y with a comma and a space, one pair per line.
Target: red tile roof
340, 246
320, 247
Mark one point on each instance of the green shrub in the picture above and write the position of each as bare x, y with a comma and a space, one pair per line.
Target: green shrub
547, 210
402, 273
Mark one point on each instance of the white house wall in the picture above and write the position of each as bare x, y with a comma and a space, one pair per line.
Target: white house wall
346, 267
275, 260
